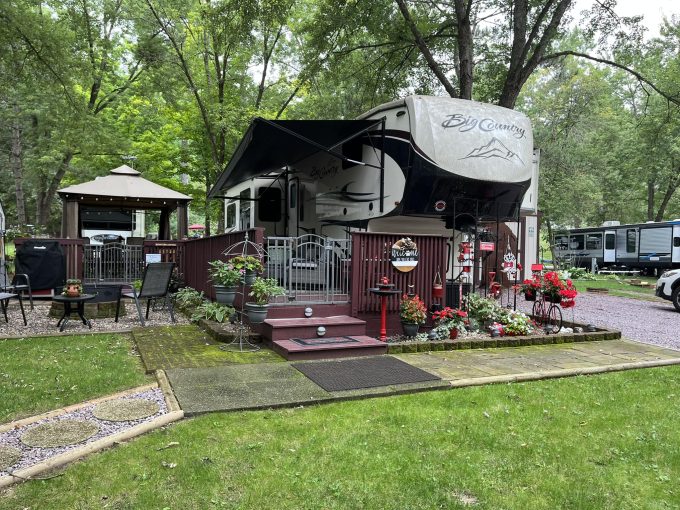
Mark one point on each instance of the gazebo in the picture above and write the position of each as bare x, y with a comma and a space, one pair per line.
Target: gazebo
123, 188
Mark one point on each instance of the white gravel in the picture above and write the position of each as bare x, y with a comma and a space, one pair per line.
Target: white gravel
31, 456
39, 323
652, 322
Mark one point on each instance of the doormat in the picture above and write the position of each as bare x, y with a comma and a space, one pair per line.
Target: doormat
325, 341
354, 374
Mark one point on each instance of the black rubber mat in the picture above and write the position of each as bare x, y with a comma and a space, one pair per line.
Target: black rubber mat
325, 341
370, 372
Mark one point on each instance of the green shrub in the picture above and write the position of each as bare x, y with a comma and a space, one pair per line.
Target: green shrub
212, 311
188, 298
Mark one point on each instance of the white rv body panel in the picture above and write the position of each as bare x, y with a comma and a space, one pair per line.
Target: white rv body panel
676, 244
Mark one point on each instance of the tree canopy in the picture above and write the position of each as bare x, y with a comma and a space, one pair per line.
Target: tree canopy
172, 84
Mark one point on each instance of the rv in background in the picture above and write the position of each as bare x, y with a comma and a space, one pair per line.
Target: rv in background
647, 246
103, 225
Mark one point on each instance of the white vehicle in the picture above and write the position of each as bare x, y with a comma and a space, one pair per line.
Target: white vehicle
668, 287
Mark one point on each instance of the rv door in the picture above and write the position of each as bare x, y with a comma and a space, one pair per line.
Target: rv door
609, 246
676, 245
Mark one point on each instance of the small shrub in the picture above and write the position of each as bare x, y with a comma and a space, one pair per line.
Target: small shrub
212, 311
188, 298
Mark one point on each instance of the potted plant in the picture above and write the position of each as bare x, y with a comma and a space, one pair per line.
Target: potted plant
413, 313
73, 288
225, 278
261, 291
553, 288
452, 319
530, 287
249, 264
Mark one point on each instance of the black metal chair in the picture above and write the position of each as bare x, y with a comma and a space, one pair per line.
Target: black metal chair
155, 285
20, 283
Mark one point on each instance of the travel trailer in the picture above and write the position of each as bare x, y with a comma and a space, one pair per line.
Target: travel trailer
648, 246
425, 165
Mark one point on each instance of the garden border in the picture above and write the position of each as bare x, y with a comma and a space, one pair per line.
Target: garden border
504, 341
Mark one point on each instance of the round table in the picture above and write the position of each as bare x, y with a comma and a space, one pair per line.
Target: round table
68, 303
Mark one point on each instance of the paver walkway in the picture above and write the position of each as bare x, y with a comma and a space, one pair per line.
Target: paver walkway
280, 384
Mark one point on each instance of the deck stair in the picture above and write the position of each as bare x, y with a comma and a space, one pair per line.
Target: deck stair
295, 338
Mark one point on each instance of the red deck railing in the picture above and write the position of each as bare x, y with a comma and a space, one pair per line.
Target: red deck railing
371, 261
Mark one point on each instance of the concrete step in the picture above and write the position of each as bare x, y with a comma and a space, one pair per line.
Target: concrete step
337, 325
348, 346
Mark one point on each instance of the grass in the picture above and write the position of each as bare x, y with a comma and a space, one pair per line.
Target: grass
620, 287
600, 442
44, 373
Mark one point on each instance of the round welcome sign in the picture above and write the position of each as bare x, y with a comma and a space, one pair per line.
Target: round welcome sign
404, 256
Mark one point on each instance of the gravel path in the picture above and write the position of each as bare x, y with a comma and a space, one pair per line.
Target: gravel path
39, 323
651, 322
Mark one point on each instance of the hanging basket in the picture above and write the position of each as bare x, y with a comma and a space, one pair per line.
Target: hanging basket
530, 296
552, 299
437, 287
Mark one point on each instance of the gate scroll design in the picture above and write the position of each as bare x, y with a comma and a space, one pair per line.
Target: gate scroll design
311, 268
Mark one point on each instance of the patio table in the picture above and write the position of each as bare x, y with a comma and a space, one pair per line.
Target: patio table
68, 303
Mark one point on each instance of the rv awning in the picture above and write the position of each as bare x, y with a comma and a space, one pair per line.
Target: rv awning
270, 145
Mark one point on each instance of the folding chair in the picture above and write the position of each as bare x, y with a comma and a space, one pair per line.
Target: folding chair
155, 284
17, 288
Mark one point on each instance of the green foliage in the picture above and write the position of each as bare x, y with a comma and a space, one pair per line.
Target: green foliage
212, 311
481, 309
224, 273
265, 288
188, 299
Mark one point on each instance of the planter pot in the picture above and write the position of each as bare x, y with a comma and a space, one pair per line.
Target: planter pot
225, 295
437, 291
530, 296
410, 328
453, 333
552, 299
249, 277
72, 290
256, 313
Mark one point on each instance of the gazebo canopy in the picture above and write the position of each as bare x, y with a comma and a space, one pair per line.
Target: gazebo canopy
124, 187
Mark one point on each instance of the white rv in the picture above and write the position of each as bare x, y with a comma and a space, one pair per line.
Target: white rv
426, 165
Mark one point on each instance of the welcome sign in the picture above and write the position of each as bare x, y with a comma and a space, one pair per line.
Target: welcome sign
404, 256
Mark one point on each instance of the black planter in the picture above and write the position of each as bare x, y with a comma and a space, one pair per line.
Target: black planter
530, 296
410, 329
256, 313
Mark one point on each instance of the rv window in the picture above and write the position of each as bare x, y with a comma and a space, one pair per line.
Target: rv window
231, 215
631, 240
610, 241
561, 242
269, 204
576, 242
676, 242
244, 206
292, 199
594, 242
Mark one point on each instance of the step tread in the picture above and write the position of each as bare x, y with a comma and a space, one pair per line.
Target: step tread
364, 342
335, 320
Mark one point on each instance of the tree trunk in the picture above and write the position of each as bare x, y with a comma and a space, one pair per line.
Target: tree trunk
650, 199
16, 163
673, 185
465, 56
45, 199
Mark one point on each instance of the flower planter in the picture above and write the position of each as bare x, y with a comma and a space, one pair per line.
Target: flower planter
552, 299
410, 328
453, 333
256, 313
530, 296
225, 295
249, 277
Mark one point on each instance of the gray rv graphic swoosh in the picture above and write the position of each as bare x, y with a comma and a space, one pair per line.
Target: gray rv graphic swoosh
494, 149
348, 196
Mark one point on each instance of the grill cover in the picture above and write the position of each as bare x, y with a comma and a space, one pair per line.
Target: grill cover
44, 263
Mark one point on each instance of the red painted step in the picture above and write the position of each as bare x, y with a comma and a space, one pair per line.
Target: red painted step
338, 325
358, 345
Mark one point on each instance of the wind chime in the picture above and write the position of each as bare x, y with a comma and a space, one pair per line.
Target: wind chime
509, 267
466, 258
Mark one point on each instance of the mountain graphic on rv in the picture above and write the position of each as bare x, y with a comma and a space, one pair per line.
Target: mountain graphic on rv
494, 149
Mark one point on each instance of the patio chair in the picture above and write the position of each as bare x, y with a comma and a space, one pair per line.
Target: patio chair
20, 283
155, 285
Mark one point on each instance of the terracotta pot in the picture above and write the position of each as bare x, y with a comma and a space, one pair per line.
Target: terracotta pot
453, 333
72, 290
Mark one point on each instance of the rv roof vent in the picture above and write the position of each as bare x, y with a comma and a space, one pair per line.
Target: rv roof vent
611, 223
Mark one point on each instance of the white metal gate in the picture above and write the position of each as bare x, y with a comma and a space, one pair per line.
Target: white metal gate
311, 268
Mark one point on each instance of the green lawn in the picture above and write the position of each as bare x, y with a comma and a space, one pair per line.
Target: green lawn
44, 373
620, 287
600, 442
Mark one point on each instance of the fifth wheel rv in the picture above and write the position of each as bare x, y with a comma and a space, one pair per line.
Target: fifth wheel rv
425, 165
648, 246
